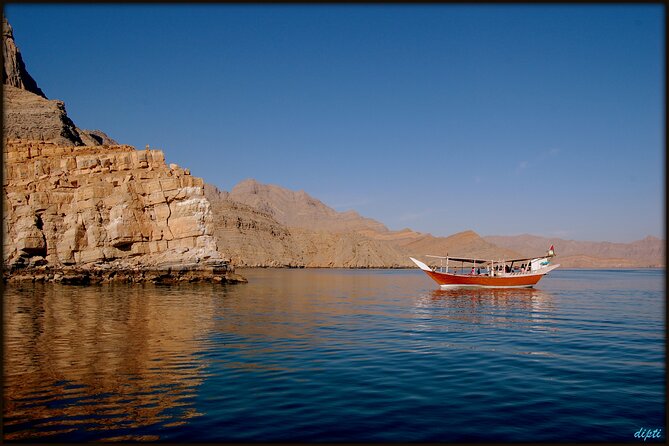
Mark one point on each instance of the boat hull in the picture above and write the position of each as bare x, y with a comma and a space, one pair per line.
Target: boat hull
517, 280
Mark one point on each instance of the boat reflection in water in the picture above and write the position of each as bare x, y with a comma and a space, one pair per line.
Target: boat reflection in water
486, 310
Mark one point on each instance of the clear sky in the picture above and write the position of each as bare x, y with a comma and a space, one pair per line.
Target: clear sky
505, 119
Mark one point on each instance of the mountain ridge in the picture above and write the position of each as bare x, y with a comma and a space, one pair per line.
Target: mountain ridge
279, 204
299, 209
646, 252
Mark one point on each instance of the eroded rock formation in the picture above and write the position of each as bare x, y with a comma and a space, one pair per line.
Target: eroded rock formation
103, 211
31, 117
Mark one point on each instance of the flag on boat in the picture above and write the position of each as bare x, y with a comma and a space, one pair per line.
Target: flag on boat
551, 251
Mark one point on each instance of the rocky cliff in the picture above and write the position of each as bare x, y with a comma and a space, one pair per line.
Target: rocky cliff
79, 208
32, 117
105, 211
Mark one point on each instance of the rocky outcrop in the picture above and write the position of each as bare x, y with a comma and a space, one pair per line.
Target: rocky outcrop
14, 71
28, 114
95, 138
31, 117
111, 211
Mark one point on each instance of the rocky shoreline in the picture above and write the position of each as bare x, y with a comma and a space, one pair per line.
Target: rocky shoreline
106, 273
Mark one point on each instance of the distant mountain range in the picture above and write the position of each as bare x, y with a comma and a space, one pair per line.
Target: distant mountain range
268, 225
299, 209
648, 252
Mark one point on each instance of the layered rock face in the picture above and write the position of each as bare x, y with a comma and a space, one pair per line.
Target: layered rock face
32, 117
104, 211
29, 116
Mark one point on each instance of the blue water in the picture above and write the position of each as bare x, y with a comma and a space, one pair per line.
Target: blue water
338, 355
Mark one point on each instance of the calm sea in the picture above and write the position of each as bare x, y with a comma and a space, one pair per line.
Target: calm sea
338, 355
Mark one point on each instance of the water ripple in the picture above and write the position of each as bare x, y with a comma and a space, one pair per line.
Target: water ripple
336, 355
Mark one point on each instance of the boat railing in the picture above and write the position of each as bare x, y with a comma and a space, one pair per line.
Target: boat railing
441, 269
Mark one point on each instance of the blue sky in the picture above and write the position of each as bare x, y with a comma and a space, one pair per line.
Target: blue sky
503, 119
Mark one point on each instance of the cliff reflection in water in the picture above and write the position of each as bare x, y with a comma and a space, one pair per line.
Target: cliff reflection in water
92, 359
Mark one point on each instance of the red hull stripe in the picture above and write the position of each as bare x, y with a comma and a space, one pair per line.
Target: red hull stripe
487, 281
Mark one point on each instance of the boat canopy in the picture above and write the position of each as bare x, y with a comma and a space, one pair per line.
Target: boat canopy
479, 261
462, 259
